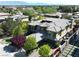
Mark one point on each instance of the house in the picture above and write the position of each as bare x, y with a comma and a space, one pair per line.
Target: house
3, 16
54, 29
53, 25
54, 15
20, 17
76, 15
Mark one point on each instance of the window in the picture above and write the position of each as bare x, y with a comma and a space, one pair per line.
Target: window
54, 35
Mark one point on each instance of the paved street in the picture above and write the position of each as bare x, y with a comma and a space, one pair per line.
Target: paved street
72, 50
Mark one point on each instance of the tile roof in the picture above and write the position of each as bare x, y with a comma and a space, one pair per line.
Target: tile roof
18, 16
54, 25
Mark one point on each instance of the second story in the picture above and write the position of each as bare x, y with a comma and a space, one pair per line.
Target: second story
51, 27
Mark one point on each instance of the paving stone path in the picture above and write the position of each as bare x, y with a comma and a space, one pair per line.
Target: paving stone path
72, 50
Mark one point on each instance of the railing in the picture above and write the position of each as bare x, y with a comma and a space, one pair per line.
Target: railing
67, 41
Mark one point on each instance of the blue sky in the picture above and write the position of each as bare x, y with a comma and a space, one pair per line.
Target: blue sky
59, 2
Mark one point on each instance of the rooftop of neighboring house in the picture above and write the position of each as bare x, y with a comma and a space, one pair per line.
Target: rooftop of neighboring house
19, 16
1, 18
76, 12
59, 14
4, 14
52, 24
76, 16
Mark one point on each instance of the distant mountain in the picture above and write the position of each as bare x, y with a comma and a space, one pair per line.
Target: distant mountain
14, 3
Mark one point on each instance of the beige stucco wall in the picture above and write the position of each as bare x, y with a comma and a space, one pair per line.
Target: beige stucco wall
26, 19
63, 33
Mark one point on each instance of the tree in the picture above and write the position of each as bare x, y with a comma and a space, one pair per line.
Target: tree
38, 9
30, 44
77, 22
44, 50
18, 37
24, 26
40, 18
18, 41
17, 31
48, 9
29, 12
68, 8
8, 26
21, 28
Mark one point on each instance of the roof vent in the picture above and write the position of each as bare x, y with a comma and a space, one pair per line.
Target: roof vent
45, 21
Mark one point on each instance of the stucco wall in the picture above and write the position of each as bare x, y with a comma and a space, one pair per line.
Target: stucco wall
58, 36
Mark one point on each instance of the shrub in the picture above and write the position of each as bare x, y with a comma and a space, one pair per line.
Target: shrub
18, 34
17, 31
18, 40
29, 12
77, 21
30, 44
40, 17
44, 50
24, 26
48, 9
66, 16
8, 26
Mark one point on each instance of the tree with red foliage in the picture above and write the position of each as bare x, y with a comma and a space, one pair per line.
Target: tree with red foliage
18, 41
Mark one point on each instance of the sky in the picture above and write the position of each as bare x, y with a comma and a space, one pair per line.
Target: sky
65, 2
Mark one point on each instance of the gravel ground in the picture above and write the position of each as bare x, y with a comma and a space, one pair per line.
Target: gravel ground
5, 53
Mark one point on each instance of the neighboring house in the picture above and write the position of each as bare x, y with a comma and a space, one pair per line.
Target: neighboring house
75, 15
20, 17
54, 15
3, 16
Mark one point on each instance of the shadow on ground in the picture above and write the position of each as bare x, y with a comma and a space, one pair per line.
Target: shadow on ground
20, 54
74, 42
10, 49
75, 53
